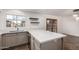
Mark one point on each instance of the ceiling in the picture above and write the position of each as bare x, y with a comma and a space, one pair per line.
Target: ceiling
58, 12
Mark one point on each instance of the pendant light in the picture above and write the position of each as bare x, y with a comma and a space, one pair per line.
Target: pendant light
76, 14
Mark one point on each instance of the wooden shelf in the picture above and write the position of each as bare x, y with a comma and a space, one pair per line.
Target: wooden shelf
34, 22
33, 18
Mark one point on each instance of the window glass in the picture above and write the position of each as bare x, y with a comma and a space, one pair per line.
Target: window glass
20, 17
11, 17
15, 21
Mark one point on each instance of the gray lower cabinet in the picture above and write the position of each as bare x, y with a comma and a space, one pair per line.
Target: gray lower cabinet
71, 42
49, 45
14, 39
0, 42
21, 38
11, 40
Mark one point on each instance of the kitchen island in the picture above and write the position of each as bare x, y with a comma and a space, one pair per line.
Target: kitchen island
45, 40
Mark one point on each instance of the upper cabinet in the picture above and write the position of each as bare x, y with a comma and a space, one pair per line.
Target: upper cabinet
15, 21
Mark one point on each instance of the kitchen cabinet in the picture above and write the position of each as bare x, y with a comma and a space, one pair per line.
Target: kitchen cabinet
44, 40
71, 42
14, 39
9, 40
0, 41
22, 38
49, 45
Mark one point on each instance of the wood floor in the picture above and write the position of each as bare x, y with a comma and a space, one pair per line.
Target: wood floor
21, 47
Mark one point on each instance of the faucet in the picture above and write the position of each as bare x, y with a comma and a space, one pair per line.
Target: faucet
17, 29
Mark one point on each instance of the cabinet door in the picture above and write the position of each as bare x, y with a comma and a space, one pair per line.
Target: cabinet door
22, 38
10, 40
0, 43
71, 42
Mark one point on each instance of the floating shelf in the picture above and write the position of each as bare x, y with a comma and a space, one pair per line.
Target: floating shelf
35, 22
33, 18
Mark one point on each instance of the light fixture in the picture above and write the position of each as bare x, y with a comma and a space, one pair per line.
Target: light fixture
77, 18
76, 14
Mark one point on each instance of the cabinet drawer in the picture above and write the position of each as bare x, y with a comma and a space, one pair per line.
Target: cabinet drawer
22, 38
71, 39
11, 41
71, 46
0, 42
9, 35
22, 33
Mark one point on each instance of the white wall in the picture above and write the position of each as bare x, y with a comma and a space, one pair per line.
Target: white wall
69, 25
66, 24
42, 19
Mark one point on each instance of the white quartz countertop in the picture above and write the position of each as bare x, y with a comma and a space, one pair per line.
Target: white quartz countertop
41, 35
44, 36
4, 32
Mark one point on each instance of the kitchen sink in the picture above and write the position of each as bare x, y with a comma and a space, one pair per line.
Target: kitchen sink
17, 31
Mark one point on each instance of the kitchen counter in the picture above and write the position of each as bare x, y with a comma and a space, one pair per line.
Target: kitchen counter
4, 32
45, 40
12, 38
43, 36
40, 35
40, 39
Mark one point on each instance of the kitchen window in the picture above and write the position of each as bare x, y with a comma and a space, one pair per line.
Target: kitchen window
15, 21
